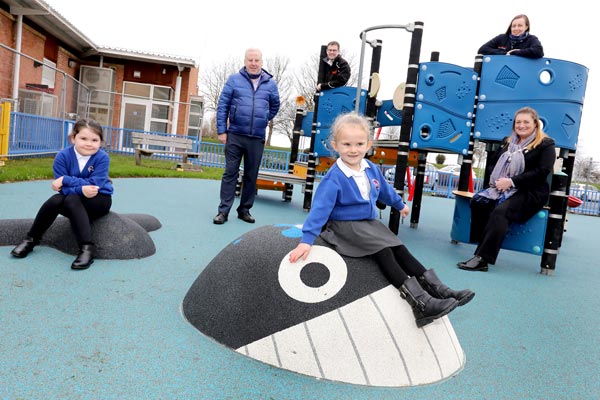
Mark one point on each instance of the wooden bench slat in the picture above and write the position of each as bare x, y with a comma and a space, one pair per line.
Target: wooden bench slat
183, 141
170, 144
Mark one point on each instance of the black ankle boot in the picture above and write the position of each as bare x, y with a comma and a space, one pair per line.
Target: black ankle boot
425, 308
432, 284
24, 248
85, 258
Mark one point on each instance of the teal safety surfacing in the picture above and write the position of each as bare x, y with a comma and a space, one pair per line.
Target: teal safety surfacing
116, 331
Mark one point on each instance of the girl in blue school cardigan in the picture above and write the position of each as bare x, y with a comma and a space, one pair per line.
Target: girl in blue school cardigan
84, 192
344, 215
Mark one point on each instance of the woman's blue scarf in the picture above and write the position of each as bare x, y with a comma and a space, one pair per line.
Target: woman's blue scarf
518, 39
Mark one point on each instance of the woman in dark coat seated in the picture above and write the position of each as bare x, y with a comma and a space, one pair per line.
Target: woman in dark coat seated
518, 187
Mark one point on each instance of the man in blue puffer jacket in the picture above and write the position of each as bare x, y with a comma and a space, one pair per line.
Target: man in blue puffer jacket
249, 100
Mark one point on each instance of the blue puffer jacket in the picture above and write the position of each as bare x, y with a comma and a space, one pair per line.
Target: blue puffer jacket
247, 111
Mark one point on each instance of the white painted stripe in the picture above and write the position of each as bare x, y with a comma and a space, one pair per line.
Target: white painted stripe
335, 350
296, 352
417, 353
377, 350
458, 351
264, 351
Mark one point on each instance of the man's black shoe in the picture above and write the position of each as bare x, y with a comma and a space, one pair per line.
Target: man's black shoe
246, 217
474, 264
220, 219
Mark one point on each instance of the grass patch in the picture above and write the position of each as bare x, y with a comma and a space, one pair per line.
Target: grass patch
121, 166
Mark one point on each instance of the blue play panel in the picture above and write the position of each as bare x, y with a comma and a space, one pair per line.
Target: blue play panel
444, 108
332, 103
554, 88
527, 237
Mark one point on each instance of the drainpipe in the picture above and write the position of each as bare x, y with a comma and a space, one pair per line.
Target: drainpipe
17, 65
176, 105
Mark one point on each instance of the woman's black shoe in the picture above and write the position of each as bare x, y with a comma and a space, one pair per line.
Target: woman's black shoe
24, 248
474, 264
85, 258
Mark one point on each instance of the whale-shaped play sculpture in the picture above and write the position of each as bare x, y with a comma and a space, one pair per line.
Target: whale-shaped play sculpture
330, 317
116, 236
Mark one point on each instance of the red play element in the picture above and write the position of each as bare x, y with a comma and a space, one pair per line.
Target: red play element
574, 202
471, 182
378, 132
411, 185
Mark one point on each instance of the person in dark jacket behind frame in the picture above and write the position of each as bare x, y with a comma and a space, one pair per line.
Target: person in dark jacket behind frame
516, 41
335, 71
249, 100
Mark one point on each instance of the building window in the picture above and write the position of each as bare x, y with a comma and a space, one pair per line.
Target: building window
196, 113
157, 103
48, 73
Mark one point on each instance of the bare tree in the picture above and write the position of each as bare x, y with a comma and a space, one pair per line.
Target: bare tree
212, 82
305, 81
209, 126
584, 170
479, 155
283, 122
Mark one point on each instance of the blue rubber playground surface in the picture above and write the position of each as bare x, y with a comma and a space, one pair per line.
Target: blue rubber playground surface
116, 331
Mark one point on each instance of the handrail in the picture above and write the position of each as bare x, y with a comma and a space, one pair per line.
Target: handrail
408, 27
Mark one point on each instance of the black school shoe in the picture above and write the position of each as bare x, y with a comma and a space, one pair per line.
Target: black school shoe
24, 248
85, 258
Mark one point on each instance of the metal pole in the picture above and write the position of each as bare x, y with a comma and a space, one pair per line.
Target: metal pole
467, 161
311, 167
408, 111
415, 213
363, 36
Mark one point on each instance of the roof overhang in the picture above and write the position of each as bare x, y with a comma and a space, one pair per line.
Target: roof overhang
44, 16
52, 22
123, 54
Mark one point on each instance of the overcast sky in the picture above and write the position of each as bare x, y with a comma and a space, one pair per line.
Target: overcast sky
211, 31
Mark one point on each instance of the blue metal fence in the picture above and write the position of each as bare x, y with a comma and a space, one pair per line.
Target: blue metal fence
33, 136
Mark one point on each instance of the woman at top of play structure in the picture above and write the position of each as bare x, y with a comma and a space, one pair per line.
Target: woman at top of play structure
516, 41
518, 187
345, 216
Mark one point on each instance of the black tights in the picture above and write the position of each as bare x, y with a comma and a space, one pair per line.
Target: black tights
398, 264
80, 210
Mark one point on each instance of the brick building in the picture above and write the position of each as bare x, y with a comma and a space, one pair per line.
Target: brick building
49, 68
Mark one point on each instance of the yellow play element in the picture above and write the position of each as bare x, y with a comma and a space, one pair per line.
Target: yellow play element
4, 128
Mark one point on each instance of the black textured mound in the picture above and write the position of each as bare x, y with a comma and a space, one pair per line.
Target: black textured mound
116, 236
238, 298
148, 222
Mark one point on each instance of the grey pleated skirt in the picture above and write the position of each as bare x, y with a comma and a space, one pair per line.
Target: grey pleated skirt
359, 238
